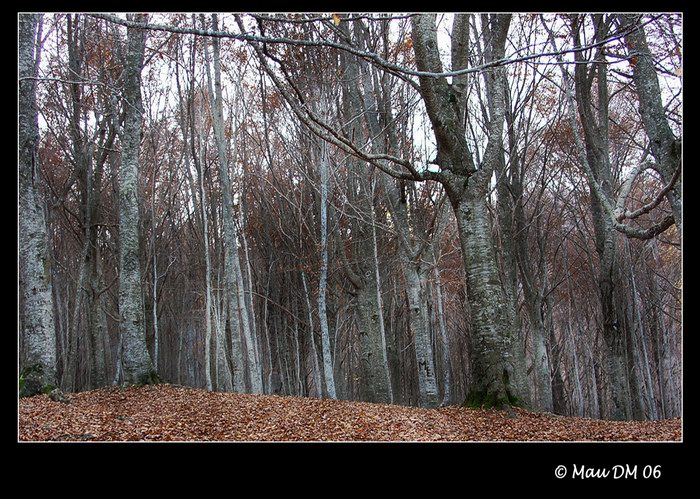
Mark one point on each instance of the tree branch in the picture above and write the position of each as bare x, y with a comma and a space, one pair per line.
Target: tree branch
370, 56
328, 133
655, 202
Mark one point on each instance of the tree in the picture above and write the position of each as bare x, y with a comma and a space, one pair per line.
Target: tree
37, 320
665, 146
323, 277
497, 370
238, 311
136, 363
497, 359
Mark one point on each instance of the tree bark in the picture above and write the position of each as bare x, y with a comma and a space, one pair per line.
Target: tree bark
665, 146
323, 278
137, 367
37, 319
498, 376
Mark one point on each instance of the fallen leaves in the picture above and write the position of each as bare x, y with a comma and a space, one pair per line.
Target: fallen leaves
173, 413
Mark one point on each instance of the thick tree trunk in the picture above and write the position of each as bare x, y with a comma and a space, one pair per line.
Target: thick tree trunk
136, 364
37, 320
498, 377
374, 381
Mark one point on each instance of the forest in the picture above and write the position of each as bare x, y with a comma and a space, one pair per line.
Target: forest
412, 209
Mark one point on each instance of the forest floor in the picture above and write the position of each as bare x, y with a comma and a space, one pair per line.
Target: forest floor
173, 413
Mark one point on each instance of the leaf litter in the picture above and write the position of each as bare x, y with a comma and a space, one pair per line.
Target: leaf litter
174, 413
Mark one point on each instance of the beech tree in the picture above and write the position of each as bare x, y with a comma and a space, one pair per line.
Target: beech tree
135, 360
38, 363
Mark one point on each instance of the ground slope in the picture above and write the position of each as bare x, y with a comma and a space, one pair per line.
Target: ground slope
167, 412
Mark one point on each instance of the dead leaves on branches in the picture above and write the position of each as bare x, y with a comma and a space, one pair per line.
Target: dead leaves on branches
170, 413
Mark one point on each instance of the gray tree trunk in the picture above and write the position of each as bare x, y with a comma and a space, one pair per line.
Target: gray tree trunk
416, 276
665, 146
323, 278
594, 121
374, 381
37, 320
498, 376
136, 364
238, 315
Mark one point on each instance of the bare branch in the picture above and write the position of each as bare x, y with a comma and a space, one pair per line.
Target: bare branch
648, 233
328, 133
655, 202
370, 56
614, 214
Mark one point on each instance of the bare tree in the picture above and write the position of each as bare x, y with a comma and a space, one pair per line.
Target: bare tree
37, 320
497, 370
665, 146
136, 363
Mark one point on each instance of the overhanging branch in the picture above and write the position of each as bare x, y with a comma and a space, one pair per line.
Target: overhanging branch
369, 56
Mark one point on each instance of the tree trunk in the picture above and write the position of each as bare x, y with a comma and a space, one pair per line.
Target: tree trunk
323, 278
665, 147
374, 381
498, 376
416, 284
37, 320
238, 312
497, 373
137, 367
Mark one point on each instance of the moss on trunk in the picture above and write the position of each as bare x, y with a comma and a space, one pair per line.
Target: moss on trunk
32, 381
482, 399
